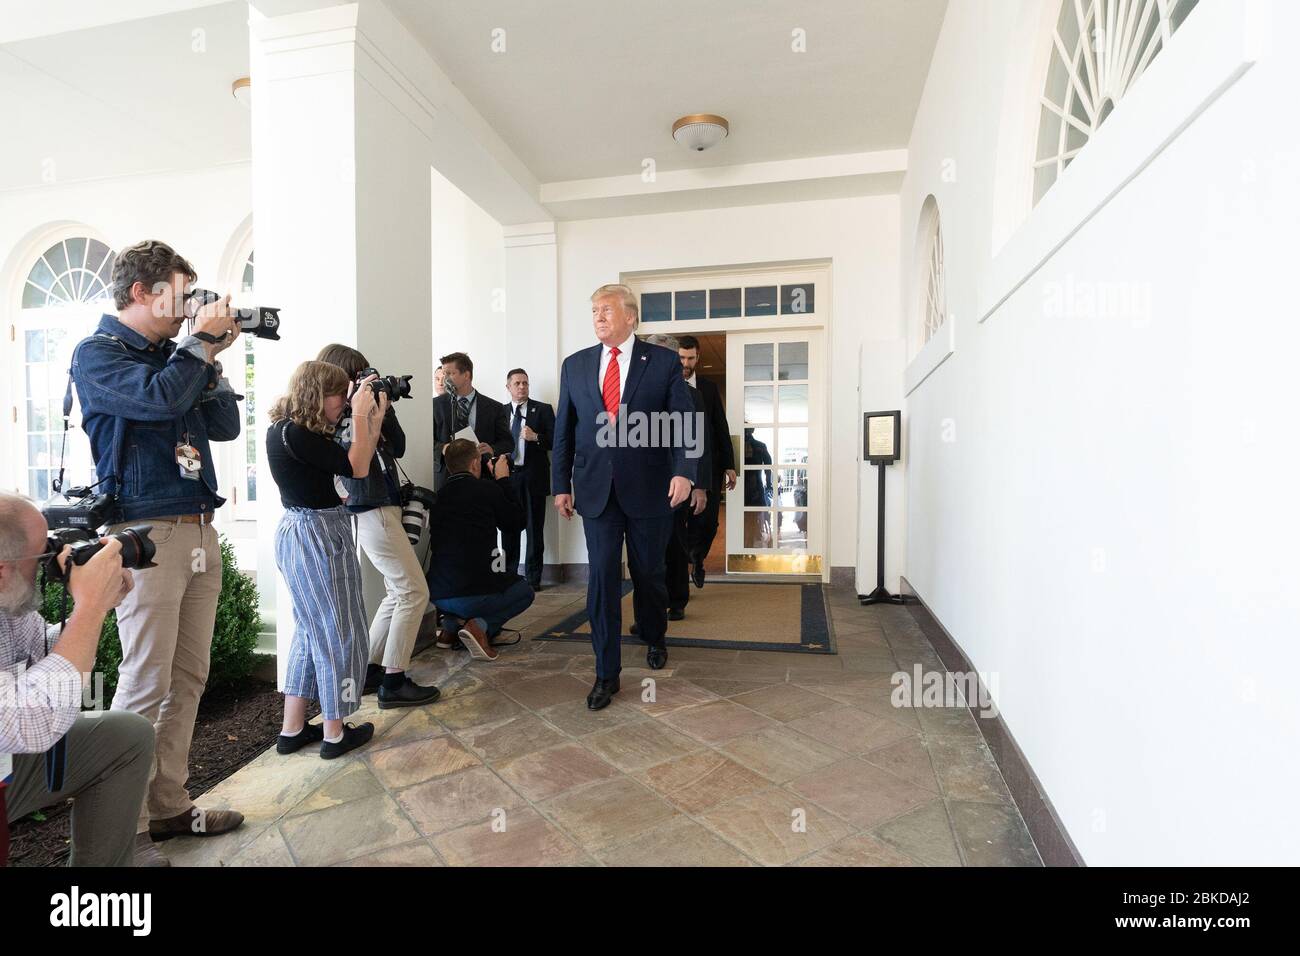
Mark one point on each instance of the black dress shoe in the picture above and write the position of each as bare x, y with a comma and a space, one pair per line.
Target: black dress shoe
535, 585
407, 694
656, 656
353, 737
634, 630
602, 692
374, 677
310, 734
676, 613
697, 574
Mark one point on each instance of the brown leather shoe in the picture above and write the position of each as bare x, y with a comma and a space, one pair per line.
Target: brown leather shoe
196, 822
476, 642
448, 637
146, 854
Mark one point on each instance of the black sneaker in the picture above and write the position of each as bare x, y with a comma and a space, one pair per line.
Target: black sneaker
310, 734
353, 737
408, 694
374, 677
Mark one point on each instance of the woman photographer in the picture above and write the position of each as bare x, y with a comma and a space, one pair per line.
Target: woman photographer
377, 503
315, 553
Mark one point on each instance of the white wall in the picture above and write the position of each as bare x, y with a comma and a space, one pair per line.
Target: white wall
860, 238
1111, 531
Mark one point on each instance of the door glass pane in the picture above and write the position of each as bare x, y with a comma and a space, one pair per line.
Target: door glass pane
758, 487
792, 529
792, 403
794, 361
797, 299
758, 362
656, 306
758, 446
36, 349
760, 300
758, 529
758, 404
690, 305
792, 488
724, 303
792, 445
38, 449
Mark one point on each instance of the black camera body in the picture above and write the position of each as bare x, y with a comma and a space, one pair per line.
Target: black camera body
394, 386
262, 322
137, 550
80, 509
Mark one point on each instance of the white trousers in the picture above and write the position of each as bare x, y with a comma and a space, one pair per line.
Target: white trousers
397, 622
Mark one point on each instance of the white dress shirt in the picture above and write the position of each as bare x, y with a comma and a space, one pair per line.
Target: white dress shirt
691, 381
624, 363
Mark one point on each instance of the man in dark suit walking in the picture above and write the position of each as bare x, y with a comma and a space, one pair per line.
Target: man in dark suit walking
702, 527
532, 429
460, 406
626, 472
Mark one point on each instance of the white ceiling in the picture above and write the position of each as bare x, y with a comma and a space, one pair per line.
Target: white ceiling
590, 88
125, 98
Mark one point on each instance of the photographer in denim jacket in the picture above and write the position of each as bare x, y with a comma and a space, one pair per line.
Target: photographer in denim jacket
151, 406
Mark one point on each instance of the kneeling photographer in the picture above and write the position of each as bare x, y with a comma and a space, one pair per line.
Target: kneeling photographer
467, 574
376, 501
105, 757
150, 407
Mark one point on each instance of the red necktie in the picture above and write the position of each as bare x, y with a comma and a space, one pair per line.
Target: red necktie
609, 391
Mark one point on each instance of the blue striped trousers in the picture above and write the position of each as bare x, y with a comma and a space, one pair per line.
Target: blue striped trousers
317, 556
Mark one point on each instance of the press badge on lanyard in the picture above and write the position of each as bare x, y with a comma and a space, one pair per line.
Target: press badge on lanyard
189, 460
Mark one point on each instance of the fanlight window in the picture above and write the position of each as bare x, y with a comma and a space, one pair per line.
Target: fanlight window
936, 303
70, 272
1099, 50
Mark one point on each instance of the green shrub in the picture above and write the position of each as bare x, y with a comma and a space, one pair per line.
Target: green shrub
234, 636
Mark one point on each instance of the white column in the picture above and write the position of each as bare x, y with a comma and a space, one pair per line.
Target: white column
532, 342
341, 216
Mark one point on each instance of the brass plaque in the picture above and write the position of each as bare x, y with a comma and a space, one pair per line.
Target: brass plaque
774, 563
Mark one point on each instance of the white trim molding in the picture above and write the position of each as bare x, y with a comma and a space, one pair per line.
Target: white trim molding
1218, 43
932, 354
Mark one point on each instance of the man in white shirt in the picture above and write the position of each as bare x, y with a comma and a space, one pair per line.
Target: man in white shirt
107, 754
532, 425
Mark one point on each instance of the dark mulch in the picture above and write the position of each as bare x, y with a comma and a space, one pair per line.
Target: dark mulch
234, 725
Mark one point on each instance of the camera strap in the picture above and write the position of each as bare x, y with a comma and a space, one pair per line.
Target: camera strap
116, 471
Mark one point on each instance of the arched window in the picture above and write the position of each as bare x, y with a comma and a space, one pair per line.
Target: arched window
1100, 48
936, 300
64, 292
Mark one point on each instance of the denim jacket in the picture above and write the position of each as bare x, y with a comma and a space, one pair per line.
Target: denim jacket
381, 484
139, 400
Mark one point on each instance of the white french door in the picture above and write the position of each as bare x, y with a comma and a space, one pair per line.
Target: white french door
775, 393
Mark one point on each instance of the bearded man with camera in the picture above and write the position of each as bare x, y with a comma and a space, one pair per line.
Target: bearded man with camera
100, 761
151, 406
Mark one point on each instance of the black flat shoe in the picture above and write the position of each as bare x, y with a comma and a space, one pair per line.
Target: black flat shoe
602, 692
374, 677
409, 694
656, 656
353, 737
310, 734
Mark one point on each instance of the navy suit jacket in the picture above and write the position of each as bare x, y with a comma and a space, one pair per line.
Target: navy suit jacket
580, 466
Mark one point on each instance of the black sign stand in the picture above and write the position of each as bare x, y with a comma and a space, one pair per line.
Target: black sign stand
881, 594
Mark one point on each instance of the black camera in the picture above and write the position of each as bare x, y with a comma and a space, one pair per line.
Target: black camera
137, 550
263, 322
394, 386
81, 509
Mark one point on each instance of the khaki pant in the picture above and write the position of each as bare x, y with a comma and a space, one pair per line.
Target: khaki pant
397, 622
166, 627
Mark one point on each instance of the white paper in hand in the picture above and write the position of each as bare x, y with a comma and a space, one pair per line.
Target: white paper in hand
468, 434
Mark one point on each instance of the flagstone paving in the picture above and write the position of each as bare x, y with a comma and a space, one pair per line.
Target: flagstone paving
724, 758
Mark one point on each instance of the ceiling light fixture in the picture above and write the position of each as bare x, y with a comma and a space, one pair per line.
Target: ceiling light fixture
699, 131
242, 90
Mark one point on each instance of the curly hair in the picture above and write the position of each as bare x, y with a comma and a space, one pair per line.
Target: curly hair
304, 402
150, 262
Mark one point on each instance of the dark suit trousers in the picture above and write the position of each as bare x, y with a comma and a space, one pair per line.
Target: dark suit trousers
678, 559
703, 528
534, 508
646, 540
